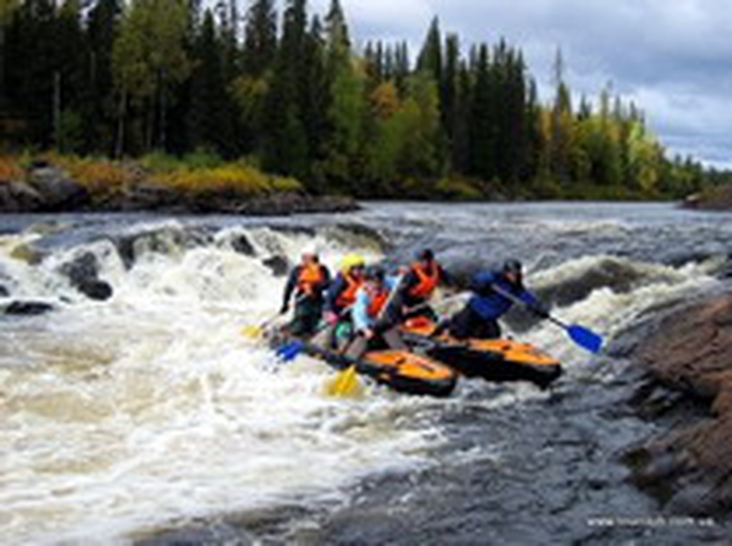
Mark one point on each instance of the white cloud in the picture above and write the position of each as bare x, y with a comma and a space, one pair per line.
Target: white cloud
673, 58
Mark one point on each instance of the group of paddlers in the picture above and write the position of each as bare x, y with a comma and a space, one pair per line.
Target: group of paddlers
363, 305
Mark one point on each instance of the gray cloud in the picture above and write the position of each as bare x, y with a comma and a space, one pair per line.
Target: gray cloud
673, 58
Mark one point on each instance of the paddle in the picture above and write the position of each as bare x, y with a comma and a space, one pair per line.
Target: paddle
345, 382
584, 337
255, 331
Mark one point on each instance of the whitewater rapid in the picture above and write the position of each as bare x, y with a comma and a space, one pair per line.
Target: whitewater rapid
151, 410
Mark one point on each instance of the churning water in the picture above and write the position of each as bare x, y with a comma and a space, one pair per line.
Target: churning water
150, 418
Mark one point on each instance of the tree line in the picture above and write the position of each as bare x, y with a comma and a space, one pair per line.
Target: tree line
291, 93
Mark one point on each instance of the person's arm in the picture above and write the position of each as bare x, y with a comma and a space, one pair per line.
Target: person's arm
289, 289
325, 282
409, 281
331, 297
445, 277
360, 312
534, 304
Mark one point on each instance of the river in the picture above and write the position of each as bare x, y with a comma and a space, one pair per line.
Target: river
150, 419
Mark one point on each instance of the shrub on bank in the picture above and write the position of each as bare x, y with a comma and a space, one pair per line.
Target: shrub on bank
99, 176
10, 169
457, 189
235, 178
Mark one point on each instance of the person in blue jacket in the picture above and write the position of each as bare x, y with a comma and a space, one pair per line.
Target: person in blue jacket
494, 293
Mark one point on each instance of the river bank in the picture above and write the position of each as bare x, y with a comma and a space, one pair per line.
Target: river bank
72, 185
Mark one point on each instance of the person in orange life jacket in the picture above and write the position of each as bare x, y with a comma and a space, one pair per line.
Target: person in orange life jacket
479, 317
338, 301
342, 291
373, 322
419, 283
307, 281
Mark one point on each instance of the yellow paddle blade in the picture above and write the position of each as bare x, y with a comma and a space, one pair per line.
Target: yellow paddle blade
251, 331
345, 383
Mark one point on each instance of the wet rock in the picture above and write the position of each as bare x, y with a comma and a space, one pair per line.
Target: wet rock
28, 308
4, 292
83, 273
278, 265
58, 191
19, 197
96, 289
689, 355
82, 269
242, 245
717, 198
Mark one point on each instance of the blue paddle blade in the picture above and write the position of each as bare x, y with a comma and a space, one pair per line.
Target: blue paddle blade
585, 338
289, 351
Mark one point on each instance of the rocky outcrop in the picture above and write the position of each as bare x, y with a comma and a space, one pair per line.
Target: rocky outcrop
83, 274
690, 365
19, 197
58, 191
718, 198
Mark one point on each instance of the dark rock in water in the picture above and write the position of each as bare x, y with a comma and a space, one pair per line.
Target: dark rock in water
82, 270
83, 275
278, 264
19, 197
690, 468
95, 289
242, 245
28, 308
4, 292
58, 191
163, 240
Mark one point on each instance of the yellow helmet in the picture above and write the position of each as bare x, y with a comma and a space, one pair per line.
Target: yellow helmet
352, 260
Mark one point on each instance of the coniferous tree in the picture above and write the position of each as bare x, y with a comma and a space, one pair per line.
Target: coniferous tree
286, 149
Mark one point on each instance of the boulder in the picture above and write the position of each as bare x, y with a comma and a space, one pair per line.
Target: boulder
690, 366
278, 265
84, 268
95, 289
28, 308
58, 191
242, 245
83, 274
19, 197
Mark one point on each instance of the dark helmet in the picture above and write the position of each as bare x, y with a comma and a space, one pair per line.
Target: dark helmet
425, 255
374, 273
512, 266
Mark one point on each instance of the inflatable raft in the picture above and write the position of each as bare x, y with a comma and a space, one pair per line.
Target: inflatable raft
491, 359
402, 371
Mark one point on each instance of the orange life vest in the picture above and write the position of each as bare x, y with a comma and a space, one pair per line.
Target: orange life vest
310, 276
347, 297
377, 301
427, 281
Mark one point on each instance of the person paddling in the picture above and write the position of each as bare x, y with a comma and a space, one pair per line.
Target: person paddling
339, 300
420, 281
494, 293
372, 322
308, 281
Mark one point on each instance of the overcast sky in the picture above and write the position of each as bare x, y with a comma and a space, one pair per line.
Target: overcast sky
672, 57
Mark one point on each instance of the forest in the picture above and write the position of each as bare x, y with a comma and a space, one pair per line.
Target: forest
291, 94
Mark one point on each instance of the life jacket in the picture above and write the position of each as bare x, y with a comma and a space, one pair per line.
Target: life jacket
347, 297
427, 281
311, 275
377, 300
